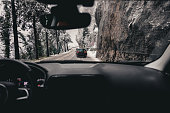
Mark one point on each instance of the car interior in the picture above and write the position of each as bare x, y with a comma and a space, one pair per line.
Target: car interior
83, 86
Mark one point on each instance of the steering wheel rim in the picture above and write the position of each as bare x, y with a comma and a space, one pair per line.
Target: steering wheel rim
3, 94
17, 67
5, 61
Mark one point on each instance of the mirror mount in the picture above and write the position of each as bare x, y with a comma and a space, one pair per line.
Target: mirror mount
64, 10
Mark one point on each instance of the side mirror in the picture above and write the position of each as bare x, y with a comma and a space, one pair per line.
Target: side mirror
64, 22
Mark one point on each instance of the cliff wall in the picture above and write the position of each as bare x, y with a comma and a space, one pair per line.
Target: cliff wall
132, 30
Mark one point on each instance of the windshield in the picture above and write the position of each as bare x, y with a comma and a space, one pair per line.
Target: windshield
120, 31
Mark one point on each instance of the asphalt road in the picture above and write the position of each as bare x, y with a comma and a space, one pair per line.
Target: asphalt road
71, 55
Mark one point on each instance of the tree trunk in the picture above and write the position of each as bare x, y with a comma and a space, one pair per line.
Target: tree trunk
57, 40
7, 47
67, 46
59, 47
36, 39
47, 52
16, 46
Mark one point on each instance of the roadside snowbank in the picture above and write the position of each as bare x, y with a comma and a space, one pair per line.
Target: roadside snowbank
92, 54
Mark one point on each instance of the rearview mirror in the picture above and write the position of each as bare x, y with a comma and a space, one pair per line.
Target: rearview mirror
65, 22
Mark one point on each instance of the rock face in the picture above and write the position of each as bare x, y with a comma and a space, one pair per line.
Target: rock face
131, 30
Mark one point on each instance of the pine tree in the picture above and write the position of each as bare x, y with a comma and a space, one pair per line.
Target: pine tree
85, 33
6, 28
28, 18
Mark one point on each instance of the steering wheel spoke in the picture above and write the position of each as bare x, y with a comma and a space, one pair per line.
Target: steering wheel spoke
23, 94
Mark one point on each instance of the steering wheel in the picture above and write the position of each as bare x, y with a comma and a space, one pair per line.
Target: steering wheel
15, 81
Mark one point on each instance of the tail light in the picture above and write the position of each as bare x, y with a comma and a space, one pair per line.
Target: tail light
85, 51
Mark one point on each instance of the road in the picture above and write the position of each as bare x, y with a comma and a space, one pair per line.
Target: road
71, 55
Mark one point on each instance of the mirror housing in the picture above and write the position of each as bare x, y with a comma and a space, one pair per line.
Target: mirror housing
63, 22
65, 16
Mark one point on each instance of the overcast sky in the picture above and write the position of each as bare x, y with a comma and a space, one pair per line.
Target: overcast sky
73, 34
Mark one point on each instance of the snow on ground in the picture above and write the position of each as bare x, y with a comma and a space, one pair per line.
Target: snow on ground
92, 54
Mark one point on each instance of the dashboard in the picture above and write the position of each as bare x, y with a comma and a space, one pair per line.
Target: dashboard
118, 74
38, 74
91, 86
97, 87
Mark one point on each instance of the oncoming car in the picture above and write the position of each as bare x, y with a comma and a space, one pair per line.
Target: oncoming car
127, 68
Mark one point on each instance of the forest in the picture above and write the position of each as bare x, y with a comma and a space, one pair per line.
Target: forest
23, 37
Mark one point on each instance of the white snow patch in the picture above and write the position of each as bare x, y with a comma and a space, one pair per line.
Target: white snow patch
92, 54
1, 8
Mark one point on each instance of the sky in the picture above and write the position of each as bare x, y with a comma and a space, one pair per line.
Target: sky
73, 34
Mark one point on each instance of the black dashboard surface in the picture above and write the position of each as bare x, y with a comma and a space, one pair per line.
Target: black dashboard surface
119, 75
104, 85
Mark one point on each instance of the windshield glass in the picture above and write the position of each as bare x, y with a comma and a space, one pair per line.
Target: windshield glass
120, 31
